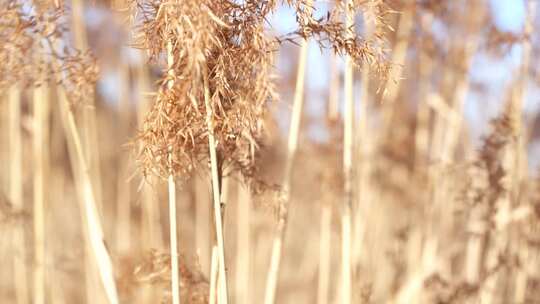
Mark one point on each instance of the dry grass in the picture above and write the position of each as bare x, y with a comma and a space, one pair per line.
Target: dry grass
155, 158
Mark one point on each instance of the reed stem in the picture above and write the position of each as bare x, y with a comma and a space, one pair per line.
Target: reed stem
527, 256
324, 255
294, 130
175, 275
89, 210
243, 251
213, 276
346, 246
173, 232
222, 275
40, 145
123, 207
20, 279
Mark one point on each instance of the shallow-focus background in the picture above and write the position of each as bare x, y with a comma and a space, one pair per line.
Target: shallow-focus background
446, 190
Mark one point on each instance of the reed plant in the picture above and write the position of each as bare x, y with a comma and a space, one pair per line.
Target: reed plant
294, 151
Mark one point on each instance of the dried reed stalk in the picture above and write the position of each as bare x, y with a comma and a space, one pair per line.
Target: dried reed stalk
20, 280
175, 275
40, 149
323, 284
447, 150
411, 290
202, 222
444, 140
284, 200
213, 275
89, 211
225, 189
348, 148
425, 67
520, 175
88, 120
216, 178
364, 154
152, 234
333, 98
452, 128
324, 263
91, 154
123, 214
497, 159
399, 53
420, 268
243, 246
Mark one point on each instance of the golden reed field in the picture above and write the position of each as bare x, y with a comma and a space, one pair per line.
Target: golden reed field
265, 151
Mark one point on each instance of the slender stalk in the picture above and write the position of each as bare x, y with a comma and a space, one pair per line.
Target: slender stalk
88, 117
425, 67
365, 164
458, 94
202, 222
79, 31
243, 246
399, 54
324, 255
521, 165
91, 278
346, 246
90, 214
123, 214
450, 132
333, 96
175, 275
225, 185
56, 288
216, 192
294, 130
16, 192
152, 234
213, 276
40, 145
410, 291
88, 129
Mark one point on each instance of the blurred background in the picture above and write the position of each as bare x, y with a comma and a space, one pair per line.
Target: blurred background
446, 193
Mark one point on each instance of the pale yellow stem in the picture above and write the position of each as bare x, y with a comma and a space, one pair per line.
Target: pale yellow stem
346, 219
41, 110
243, 246
94, 231
399, 54
520, 166
364, 153
422, 116
294, 130
333, 96
175, 275
16, 192
213, 276
88, 125
324, 255
202, 221
152, 234
123, 222
215, 192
